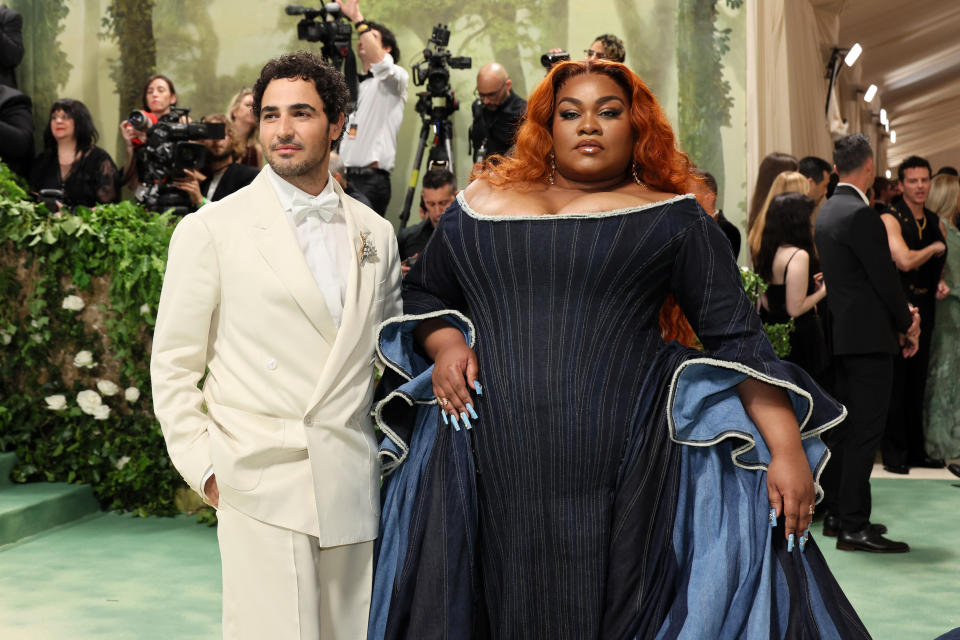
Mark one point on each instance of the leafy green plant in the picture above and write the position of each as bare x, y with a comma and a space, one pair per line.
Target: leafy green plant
80, 291
779, 334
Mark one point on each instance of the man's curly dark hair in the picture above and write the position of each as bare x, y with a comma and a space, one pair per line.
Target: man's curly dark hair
329, 82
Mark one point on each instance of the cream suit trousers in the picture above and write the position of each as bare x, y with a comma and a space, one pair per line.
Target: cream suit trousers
279, 584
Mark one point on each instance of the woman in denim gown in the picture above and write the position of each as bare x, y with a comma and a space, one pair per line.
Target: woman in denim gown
555, 469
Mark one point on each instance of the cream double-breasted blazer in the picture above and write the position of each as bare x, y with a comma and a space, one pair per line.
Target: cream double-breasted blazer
283, 415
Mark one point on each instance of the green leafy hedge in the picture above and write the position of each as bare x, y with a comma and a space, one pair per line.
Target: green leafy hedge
75, 402
779, 334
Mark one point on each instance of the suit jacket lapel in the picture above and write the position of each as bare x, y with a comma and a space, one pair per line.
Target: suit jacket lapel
360, 284
279, 247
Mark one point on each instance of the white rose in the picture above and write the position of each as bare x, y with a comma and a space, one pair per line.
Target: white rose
101, 412
132, 394
34, 324
5, 337
36, 337
72, 303
107, 388
122, 462
57, 402
89, 400
145, 308
84, 359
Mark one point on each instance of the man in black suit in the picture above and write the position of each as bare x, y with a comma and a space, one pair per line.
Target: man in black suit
438, 192
872, 322
222, 175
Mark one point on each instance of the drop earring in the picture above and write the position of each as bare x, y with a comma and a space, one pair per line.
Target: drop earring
636, 176
552, 178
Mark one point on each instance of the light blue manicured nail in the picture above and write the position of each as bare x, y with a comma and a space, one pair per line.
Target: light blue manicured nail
790, 542
444, 414
773, 517
476, 385
473, 414
453, 419
466, 420
803, 540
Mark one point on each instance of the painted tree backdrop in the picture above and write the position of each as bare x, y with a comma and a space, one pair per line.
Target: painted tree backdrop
690, 53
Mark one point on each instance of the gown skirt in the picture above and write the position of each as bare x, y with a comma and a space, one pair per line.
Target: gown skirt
613, 485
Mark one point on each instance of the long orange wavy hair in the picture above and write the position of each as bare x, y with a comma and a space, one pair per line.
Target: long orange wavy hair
659, 163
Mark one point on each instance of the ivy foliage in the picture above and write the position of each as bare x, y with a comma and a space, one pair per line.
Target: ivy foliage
111, 258
779, 334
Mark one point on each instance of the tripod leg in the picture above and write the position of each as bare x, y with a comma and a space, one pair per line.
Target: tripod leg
414, 174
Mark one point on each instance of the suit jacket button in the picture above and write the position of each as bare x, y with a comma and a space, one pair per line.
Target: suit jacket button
271, 364
308, 419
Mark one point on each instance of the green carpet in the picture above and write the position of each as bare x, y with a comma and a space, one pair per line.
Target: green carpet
909, 596
112, 576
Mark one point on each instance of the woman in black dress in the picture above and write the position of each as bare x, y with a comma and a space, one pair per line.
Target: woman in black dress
559, 471
71, 162
787, 261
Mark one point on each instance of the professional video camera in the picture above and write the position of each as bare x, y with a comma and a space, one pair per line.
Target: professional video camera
333, 30
435, 106
435, 73
164, 155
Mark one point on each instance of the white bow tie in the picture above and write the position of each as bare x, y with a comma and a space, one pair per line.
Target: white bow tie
323, 206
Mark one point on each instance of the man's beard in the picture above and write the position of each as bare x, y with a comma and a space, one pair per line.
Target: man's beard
293, 170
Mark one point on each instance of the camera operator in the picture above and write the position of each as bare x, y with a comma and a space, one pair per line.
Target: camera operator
369, 147
222, 174
439, 191
159, 96
496, 112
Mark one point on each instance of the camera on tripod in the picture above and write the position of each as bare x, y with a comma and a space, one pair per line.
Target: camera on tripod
166, 153
436, 65
435, 106
332, 29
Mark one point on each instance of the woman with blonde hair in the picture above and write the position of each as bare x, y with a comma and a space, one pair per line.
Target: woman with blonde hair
786, 182
240, 115
941, 403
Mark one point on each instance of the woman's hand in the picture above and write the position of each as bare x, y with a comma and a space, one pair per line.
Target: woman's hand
454, 370
791, 493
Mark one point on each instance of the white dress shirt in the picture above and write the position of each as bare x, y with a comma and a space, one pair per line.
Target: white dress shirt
325, 245
862, 195
372, 128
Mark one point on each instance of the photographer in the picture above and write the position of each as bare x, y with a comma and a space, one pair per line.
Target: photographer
439, 191
159, 96
222, 175
369, 147
497, 112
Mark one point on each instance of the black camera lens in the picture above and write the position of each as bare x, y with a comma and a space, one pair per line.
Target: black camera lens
550, 59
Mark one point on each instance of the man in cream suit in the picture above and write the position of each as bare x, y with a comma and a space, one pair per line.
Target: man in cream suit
276, 291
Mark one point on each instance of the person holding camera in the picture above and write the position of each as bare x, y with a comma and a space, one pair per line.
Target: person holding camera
497, 112
159, 96
439, 192
222, 174
71, 163
369, 147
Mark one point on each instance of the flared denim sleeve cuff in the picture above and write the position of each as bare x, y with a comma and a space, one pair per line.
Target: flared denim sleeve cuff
704, 409
407, 382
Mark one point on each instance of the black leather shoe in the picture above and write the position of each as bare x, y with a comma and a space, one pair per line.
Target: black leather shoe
831, 526
902, 469
954, 469
869, 539
929, 463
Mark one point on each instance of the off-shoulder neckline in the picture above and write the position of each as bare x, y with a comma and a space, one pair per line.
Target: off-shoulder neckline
462, 201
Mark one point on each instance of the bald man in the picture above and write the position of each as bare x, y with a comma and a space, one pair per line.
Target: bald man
496, 112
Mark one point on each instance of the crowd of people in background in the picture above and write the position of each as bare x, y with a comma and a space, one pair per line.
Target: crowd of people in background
914, 217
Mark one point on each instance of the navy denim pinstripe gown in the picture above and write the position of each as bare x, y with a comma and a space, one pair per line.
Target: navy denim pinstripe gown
617, 488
